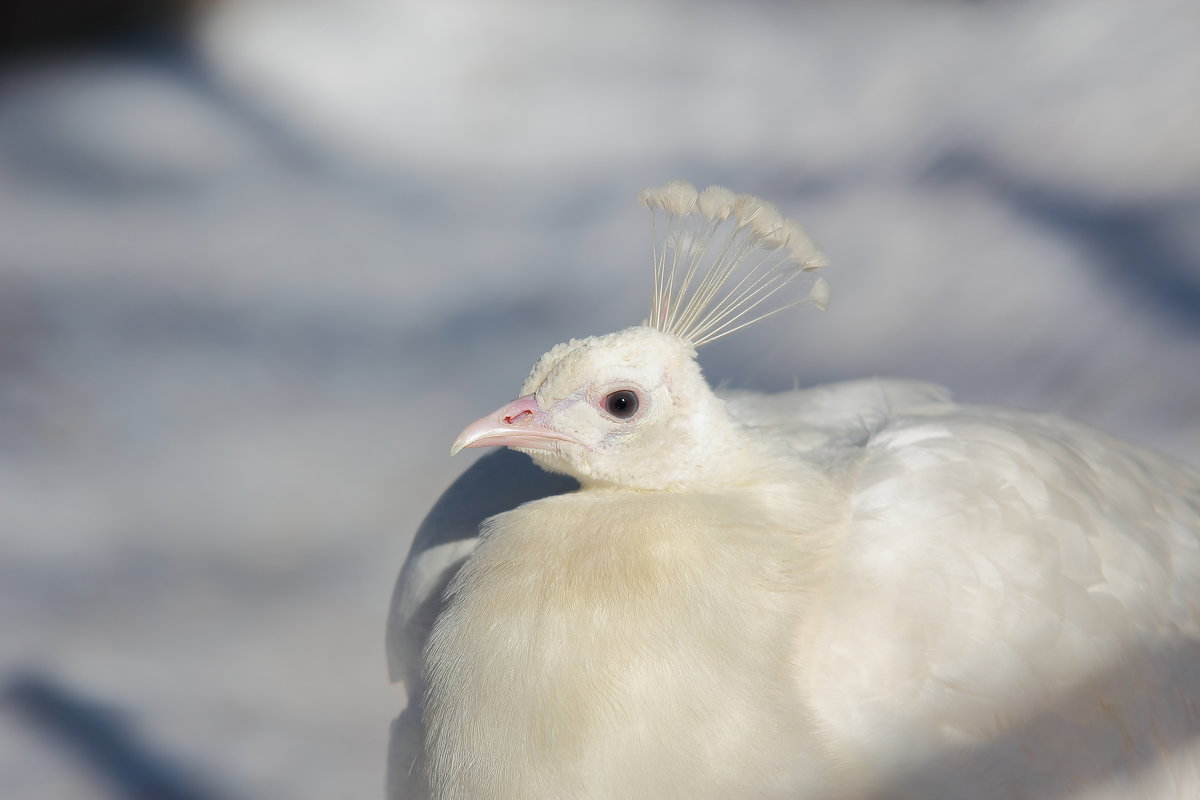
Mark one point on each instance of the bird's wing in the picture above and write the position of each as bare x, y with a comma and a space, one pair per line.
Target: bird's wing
810, 418
500, 481
1019, 590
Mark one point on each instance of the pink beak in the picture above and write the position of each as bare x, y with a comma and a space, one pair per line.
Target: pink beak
521, 423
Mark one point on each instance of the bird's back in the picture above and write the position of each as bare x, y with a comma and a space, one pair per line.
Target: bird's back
1014, 610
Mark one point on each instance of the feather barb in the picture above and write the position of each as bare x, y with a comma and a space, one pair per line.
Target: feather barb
721, 261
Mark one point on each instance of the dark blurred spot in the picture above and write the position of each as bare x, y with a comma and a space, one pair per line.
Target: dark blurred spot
34, 28
1134, 244
103, 739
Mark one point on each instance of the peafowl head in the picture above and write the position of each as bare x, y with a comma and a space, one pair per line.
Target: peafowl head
632, 409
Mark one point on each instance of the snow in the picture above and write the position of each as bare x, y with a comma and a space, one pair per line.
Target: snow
250, 291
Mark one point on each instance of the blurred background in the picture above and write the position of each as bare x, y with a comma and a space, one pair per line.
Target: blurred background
261, 259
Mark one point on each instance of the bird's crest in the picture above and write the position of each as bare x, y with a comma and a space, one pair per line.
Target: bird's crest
720, 258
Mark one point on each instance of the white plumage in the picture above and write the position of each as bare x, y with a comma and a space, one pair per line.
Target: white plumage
861, 590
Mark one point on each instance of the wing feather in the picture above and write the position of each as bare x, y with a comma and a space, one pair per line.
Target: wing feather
1017, 596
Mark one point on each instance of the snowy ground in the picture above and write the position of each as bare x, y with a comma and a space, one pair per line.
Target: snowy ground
249, 292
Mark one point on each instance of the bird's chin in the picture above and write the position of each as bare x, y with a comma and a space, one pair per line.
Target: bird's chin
552, 459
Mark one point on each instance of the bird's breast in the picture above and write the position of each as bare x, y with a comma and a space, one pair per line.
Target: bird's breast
612, 633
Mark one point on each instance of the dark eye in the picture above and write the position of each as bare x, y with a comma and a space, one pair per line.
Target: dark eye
622, 404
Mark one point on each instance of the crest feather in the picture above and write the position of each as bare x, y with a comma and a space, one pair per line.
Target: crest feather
720, 258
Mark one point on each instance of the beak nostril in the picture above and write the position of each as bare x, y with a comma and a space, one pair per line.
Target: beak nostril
520, 423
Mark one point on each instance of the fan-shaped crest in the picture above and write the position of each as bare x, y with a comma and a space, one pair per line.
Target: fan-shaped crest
720, 260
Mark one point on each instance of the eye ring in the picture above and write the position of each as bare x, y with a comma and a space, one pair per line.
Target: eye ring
621, 404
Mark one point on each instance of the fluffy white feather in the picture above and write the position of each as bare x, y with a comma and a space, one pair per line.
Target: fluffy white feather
855, 591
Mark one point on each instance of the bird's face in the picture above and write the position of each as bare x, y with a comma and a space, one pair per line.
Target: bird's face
629, 409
